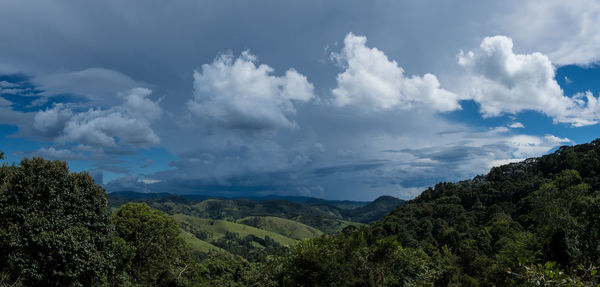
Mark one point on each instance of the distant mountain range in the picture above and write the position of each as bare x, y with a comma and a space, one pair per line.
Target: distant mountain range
133, 195
281, 206
257, 226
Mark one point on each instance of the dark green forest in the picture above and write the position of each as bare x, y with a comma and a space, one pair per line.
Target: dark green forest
533, 223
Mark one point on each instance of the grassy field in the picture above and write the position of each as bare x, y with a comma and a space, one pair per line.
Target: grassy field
199, 245
218, 229
282, 226
327, 225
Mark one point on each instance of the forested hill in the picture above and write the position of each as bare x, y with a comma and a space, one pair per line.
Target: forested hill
539, 210
374, 210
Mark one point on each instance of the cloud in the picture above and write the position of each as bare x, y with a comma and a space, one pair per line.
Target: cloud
221, 156
109, 47
52, 120
516, 125
4, 102
147, 162
341, 154
11, 91
57, 154
525, 146
471, 154
568, 81
149, 181
565, 30
38, 102
503, 82
22, 120
238, 94
97, 84
128, 124
373, 82
5, 84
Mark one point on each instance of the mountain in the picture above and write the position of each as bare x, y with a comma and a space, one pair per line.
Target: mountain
342, 204
324, 218
372, 211
318, 213
119, 198
127, 196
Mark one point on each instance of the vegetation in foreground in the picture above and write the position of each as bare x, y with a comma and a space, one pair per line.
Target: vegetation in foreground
534, 223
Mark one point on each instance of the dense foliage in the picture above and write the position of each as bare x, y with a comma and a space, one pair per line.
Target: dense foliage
539, 210
55, 229
153, 253
349, 260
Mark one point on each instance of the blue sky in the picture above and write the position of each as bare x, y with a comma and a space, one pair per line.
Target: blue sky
336, 99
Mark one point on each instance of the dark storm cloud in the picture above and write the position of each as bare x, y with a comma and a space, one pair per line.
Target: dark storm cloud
346, 168
453, 154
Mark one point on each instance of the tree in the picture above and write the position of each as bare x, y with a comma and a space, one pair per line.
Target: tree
55, 228
553, 206
223, 269
160, 256
349, 260
549, 274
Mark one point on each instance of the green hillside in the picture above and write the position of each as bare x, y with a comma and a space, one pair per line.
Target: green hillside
219, 229
285, 227
325, 224
199, 245
222, 208
328, 219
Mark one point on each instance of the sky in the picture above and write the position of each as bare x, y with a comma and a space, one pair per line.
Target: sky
341, 99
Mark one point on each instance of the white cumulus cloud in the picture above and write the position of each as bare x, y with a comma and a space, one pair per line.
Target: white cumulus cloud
373, 81
238, 93
504, 82
128, 124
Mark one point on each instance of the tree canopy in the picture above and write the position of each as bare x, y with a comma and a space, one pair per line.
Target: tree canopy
155, 254
55, 228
